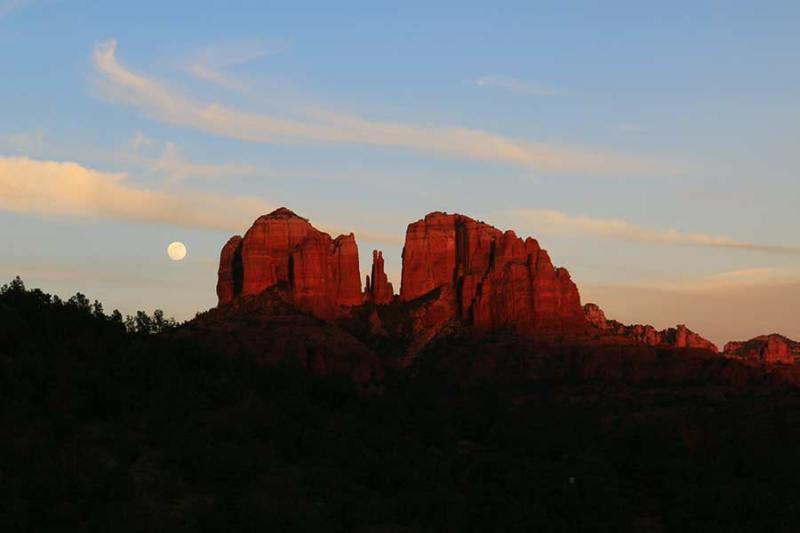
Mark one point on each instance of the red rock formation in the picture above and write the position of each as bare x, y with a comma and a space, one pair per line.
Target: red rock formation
765, 348
459, 277
281, 247
378, 288
677, 337
488, 278
595, 316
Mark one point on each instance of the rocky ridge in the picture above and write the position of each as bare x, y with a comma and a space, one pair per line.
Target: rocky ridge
461, 279
772, 348
678, 337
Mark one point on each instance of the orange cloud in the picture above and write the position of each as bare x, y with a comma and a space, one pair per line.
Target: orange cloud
69, 189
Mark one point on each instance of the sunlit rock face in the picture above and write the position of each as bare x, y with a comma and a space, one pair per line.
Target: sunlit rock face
487, 278
765, 348
595, 316
281, 247
677, 337
479, 275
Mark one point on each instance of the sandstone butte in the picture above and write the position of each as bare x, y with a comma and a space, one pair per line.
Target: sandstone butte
677, 337
473, 271
454, 270
765, 348
487, 278
282, 248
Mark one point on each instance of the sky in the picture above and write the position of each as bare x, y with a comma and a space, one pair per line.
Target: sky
653, 150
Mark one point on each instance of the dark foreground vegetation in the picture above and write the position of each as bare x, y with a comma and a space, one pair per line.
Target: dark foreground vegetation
108, 428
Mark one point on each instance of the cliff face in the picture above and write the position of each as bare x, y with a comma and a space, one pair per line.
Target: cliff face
482, 277
488, 278
765, 348
677, 337
229, 275
283, 248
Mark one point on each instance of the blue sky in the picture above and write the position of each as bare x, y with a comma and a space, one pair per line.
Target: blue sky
652, 150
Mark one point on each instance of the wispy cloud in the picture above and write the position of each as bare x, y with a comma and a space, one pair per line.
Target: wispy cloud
628, 127
209, 64
166, 158
69, 189
149, 156
515, 86
163, 104
557, 222
365, 235
724, 282
24, 141
7, 6
172, 163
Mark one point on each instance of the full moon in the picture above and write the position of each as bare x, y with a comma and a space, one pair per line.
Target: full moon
176, 251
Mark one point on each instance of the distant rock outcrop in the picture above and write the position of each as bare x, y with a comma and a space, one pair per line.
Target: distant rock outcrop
765, 348
487, 278
677, 337
283, 248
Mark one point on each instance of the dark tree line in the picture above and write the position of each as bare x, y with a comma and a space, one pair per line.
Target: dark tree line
141, 323
105, 430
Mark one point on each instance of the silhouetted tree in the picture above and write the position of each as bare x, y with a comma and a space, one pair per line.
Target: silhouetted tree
80, 302
16, 286
144, 324
101, 430
130, 324
161, 324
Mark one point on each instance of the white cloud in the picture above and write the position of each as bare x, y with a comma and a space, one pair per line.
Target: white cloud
155, 99
69, 189
556, 222
515, 86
